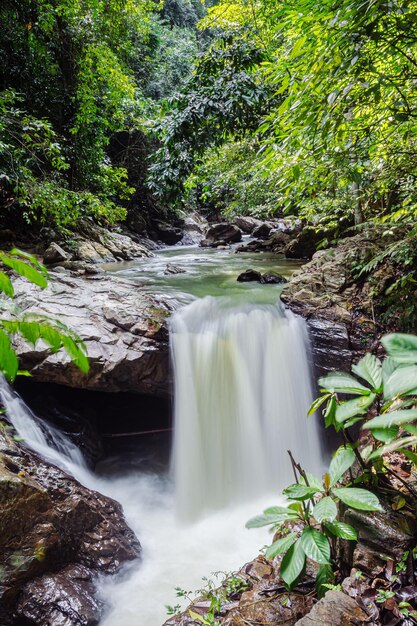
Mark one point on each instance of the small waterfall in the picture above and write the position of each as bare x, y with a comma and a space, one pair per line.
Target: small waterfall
46, 440
242, 392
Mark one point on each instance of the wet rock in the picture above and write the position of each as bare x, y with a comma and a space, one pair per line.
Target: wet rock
54, 254
224, 233
123, 328
305, 244
167, 233
335, 609
63, 599
249, 276
264, 279
246, 224
50, 523
275, 244
173, 269
262, 231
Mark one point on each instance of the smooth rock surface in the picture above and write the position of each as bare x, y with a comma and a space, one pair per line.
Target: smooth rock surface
246, 223
54, 254
222, 233
123, 328
335, 609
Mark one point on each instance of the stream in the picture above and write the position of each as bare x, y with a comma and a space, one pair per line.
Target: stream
242, 391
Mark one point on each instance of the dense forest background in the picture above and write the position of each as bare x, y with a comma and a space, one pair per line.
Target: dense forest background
115, 110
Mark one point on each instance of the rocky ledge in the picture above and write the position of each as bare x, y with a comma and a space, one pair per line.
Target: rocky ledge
340, 306
55, 537
124, 330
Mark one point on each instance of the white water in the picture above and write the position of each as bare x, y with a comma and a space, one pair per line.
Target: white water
242, 391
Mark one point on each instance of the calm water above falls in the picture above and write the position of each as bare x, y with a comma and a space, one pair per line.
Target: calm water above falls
242, 388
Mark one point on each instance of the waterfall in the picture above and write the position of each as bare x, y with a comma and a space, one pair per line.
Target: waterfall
242, 392
46, 440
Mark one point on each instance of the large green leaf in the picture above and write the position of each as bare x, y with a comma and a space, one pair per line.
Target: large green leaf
300, 492
280, 546
269, 518
395, 445
24, 269
395, 418
402, 380
325, 509
403, 348
342, 530
9, 364
343, 383
360, 499
315, 545
385, 434
370, 369
352, 408
6, 285
340, 463
293, 564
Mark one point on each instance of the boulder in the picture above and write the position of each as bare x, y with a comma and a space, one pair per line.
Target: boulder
264, 279
223, 233
173, 269
194, 227
335, 609
124, 330
167, 233
55, 537
246, 224
305, 244
262, 231
54, 254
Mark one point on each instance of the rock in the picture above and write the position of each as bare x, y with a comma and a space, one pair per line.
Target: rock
305, 244
246, 224
63, 599
173, 269
55, 536
249, 276
221, 234
276, 244
264, 279
54, 254
167, 233
335, 609
194, 227
262, 231
124, 330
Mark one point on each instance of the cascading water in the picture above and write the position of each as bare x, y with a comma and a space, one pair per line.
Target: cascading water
242, 389
242, 392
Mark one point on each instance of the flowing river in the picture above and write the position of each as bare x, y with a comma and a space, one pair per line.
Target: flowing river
242, 391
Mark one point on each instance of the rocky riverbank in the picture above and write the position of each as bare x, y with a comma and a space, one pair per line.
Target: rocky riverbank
56, 536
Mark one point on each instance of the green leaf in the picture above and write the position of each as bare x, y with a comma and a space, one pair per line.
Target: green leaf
385, 434
300, 492
30, 331
391, 447
352, 408
278, 510
293, 564
340, 463
76, 353
315, 545
9, 364
267, 519
342, 530
24, 269
395, 418
403, 348
6, 285
370, 369
360, 499
280, 546
323, 577
325, 509
317, 403
402, 380
330, 413
343, 383
412, 456
312, 481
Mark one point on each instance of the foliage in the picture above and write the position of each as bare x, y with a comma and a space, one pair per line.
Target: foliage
30, 327
313, 510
